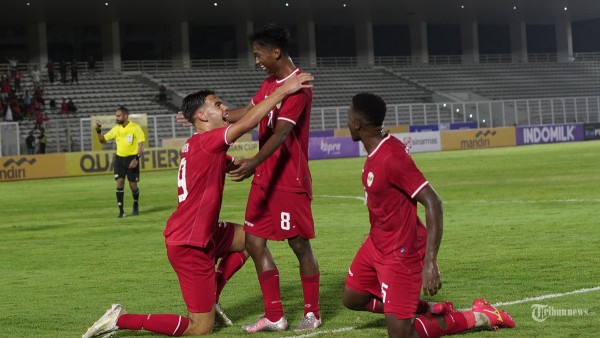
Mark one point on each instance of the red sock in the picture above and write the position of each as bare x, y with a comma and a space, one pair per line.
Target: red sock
375, 306
269, 284
427, 325
170, 325
310, 289
228, 266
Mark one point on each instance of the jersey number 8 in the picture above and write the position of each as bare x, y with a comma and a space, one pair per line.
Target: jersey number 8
285, 220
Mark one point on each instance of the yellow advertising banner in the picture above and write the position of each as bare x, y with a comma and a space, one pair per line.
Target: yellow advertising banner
478, 138
101, 162
13, 168
108, 121
243, 149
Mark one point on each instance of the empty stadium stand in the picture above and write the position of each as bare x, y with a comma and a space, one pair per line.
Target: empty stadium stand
409, 90
332, 87
501, 81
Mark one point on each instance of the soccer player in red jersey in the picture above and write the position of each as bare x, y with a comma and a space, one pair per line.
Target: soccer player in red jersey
193, 235
280, 197
399, 256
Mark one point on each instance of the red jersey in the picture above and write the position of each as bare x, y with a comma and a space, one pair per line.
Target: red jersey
287, 168
391, 181
200, 184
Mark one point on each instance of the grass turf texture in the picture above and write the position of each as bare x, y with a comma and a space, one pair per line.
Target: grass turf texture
519, 222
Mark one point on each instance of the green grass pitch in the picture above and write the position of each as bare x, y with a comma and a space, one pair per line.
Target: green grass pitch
518, 222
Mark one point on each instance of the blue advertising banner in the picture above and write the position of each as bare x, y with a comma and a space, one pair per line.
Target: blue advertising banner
331, 147
417, 128
463, 125
549, 134
591, 131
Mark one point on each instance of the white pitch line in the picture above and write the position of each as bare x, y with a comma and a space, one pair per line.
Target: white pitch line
550, 296
561, 200
520, 301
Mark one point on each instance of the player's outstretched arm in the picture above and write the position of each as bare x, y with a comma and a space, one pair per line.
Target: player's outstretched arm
258, 112
234, 115
432, 281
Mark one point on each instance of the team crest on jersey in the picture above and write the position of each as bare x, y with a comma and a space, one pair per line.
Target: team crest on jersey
370, 179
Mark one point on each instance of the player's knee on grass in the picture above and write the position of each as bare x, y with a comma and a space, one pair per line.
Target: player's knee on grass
399, 328
200, 323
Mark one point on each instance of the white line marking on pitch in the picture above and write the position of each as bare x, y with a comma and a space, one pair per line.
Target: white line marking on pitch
561, 200
520, 301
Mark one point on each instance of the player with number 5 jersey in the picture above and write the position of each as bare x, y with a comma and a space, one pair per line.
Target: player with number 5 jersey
194, 236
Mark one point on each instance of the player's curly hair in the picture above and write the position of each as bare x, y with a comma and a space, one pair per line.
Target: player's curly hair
192, 102
370, 107
272, 35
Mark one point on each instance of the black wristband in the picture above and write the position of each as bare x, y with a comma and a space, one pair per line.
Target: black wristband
99, 131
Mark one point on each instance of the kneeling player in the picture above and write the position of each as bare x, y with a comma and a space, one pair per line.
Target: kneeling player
399, 256
193, 236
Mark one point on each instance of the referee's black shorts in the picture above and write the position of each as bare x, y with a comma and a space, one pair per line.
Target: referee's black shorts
121, 168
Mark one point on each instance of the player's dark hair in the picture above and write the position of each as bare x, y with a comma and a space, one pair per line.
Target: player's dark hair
123, 110
272, 35
192, 102
370, 107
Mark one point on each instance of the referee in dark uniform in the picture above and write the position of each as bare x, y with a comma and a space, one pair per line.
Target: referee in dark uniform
129, 138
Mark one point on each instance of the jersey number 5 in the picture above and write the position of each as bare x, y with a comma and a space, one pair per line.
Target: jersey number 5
181, 182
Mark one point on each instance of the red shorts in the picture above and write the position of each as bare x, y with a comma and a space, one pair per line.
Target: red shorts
278, 215
397, 282
195, 268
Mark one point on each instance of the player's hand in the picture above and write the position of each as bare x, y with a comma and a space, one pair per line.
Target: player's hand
134, 163
232, 166
98, 127
181, 119
432, 280
246, 167
298, 82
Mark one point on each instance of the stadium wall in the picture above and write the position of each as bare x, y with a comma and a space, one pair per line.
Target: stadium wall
14, 168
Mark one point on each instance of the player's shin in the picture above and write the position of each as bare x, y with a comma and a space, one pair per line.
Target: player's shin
228, 266
167, 324
433, 326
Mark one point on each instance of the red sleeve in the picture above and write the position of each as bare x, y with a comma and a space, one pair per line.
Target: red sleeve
293, 106
404, 174
215, 140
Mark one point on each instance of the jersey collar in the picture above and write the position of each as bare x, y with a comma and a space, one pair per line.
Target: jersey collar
287, 77
379, 145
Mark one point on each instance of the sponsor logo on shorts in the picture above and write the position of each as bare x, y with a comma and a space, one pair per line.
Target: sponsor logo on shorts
248, 224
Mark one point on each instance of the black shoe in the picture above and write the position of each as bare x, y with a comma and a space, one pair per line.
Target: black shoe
121, 214
135, 210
